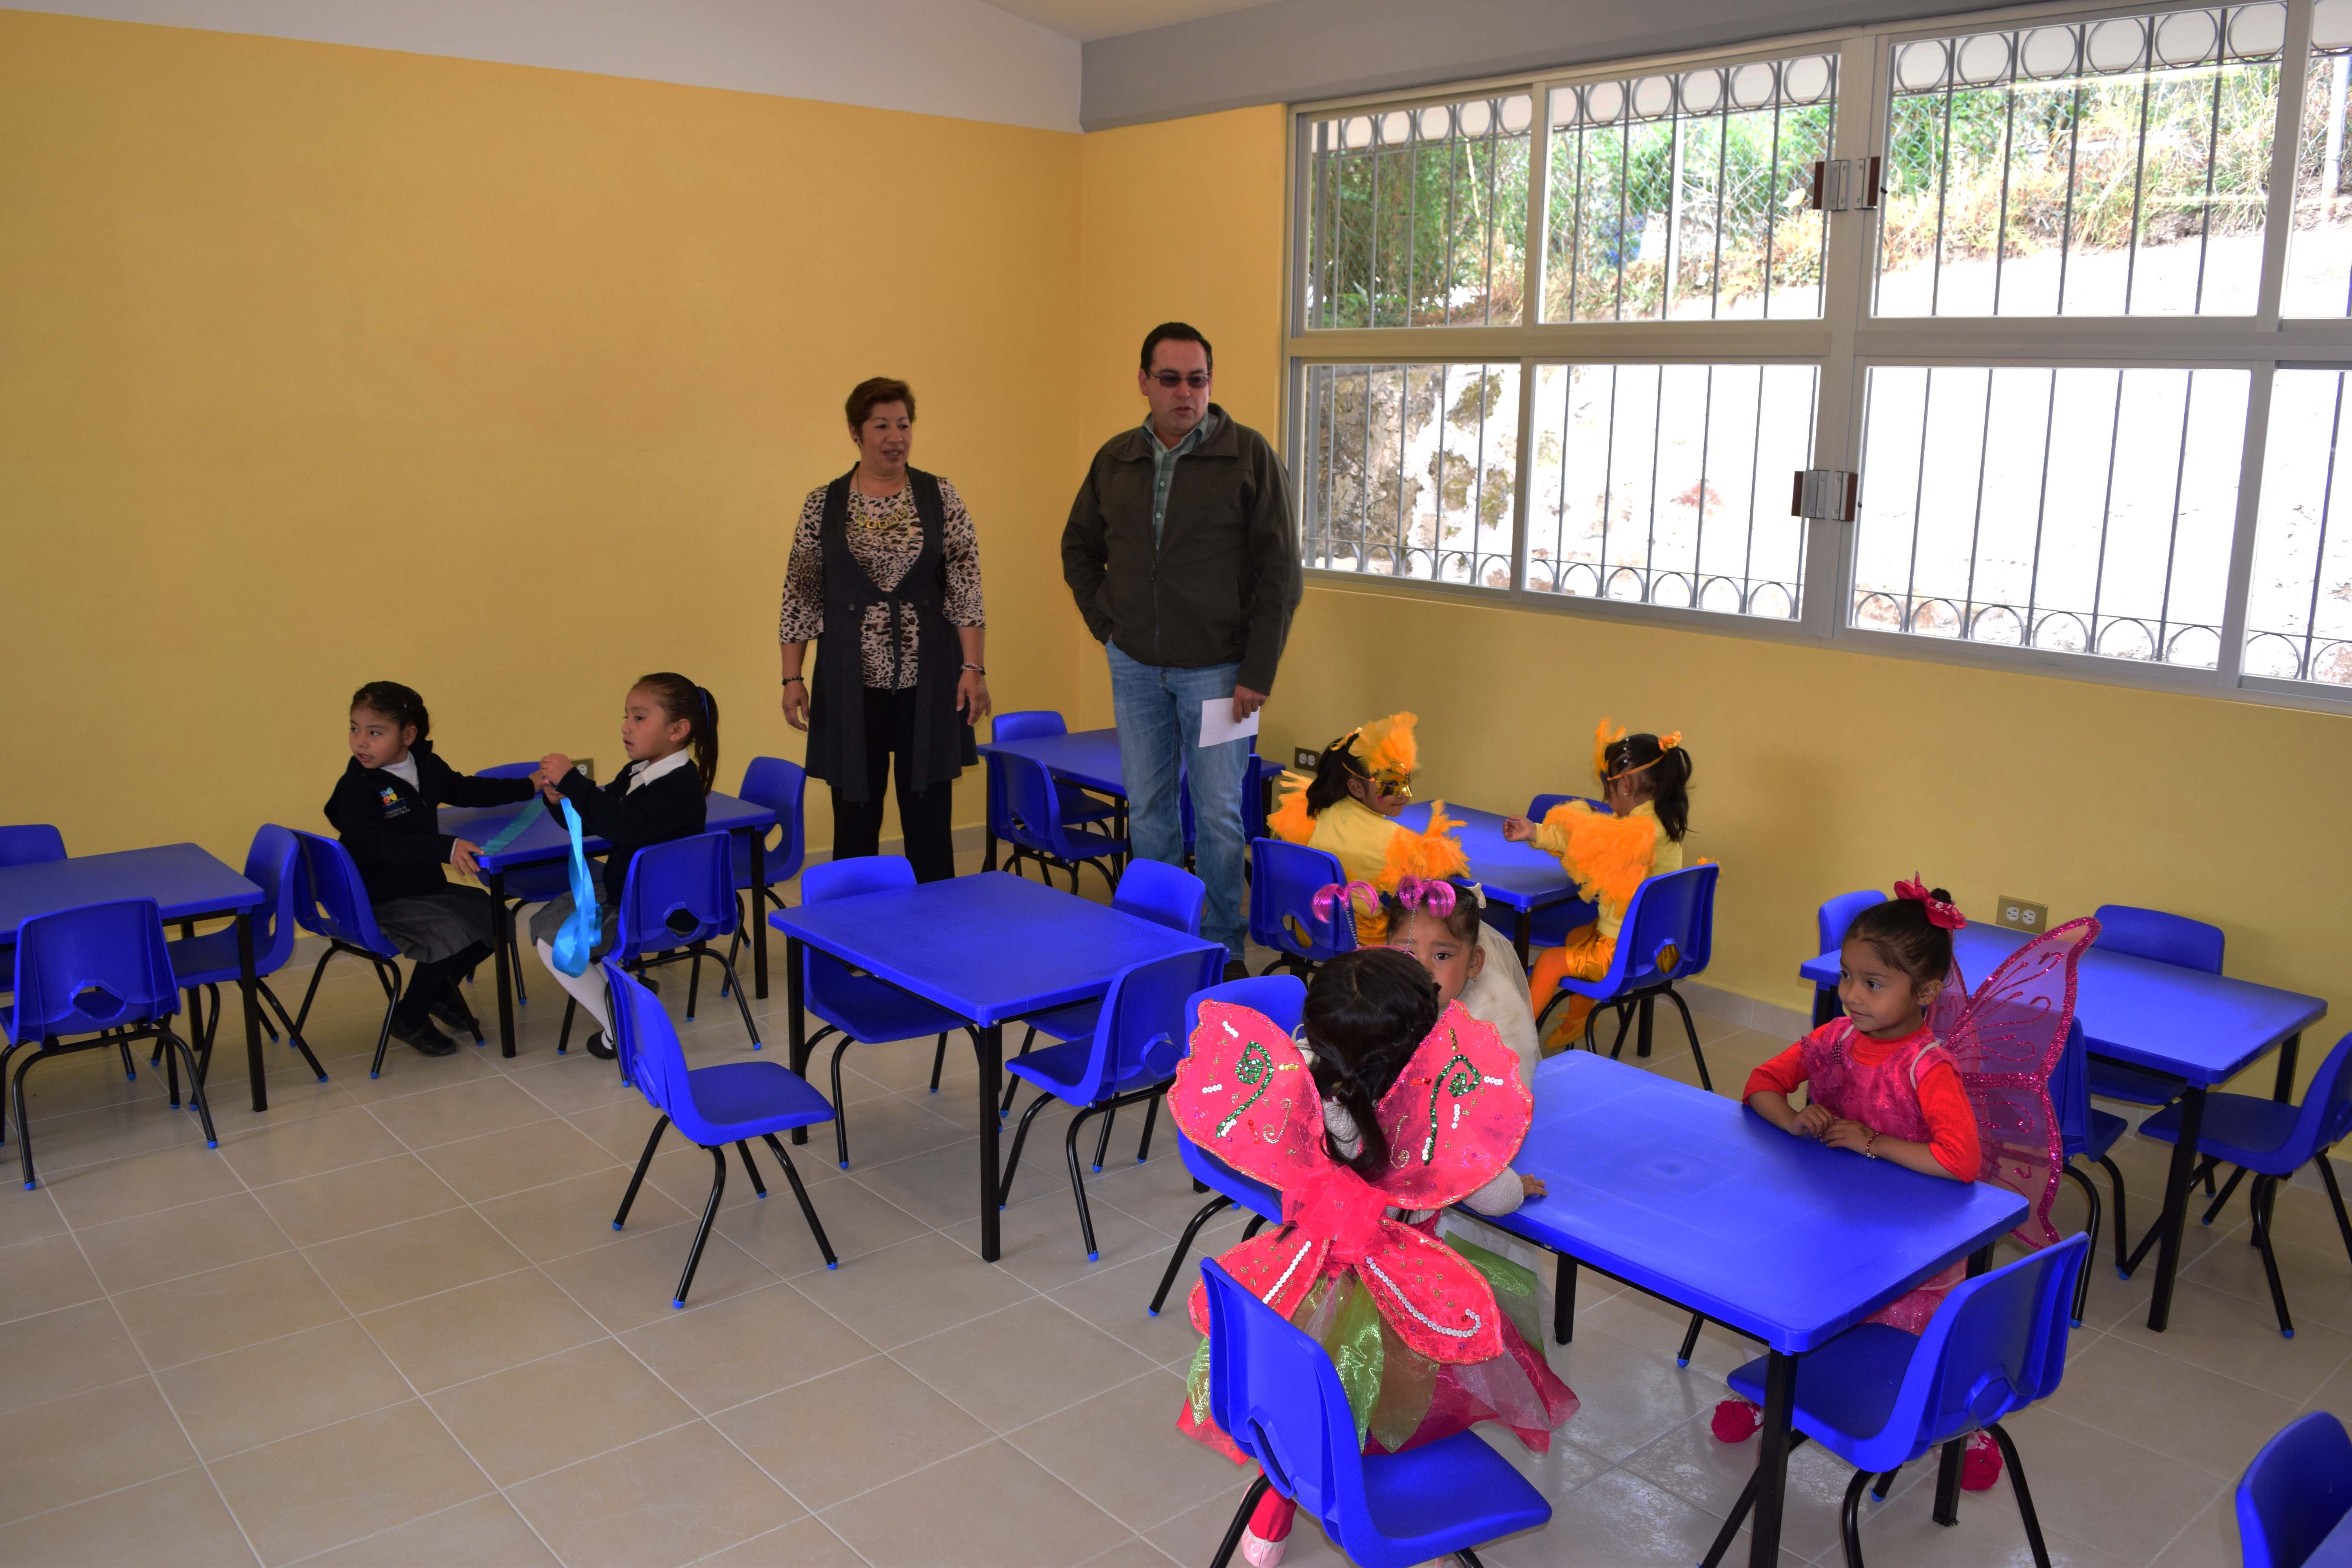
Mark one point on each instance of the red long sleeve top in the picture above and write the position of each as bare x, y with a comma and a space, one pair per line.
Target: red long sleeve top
1951, 1123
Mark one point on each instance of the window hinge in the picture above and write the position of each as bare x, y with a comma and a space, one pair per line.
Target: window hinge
1828, 493
1845, 184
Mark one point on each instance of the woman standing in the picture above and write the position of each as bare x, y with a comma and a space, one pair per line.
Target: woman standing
886, 569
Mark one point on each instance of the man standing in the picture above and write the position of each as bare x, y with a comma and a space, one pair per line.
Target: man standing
1183, 557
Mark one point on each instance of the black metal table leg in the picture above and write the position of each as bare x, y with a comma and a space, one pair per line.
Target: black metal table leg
251, 984
2175, 1206
1523, 933
796, 1045
1772, 1463
1648, 1012
989, 1044
2284, 1090
1563, 1301
502, 960
1825, 1004
759, 913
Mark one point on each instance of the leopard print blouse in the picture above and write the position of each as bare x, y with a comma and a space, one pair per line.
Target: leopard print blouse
885, 537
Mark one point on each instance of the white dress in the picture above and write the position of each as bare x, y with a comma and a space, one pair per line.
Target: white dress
1498, 996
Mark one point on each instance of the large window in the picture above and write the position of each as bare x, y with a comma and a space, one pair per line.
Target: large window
2014, 340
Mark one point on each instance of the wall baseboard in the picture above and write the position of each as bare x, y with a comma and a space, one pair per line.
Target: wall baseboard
1747, 1012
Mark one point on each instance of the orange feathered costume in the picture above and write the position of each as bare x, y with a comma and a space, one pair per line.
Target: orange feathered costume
1372, 847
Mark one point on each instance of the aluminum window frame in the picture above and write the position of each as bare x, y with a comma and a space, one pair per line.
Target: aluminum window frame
1843, 343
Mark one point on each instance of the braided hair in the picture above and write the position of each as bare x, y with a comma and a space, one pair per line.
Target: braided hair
1366, 1012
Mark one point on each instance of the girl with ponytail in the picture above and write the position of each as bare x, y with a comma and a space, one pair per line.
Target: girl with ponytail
669, 729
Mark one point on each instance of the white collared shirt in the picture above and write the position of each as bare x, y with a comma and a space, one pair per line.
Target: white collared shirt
645, 773
405, 770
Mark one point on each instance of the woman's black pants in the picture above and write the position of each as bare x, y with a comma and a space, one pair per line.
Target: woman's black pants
925, 817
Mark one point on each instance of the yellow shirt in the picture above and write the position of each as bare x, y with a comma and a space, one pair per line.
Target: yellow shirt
1373, 848
1609, 858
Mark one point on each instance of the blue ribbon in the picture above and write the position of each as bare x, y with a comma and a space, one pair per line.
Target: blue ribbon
577, 940
510, 832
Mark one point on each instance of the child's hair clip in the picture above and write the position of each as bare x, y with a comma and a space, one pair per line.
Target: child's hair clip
1366, 898
1419, 893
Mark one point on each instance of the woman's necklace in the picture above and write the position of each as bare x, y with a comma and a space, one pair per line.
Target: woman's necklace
878, 511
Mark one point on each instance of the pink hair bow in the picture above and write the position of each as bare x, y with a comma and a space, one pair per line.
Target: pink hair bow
1426, 893
1365, 896
1939, 913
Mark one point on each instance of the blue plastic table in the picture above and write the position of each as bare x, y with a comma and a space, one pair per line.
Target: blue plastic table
988, 948
1519, 876
2336, 1550
546, 840
1696, 1198
186, 883
2202, 1028
1087, 758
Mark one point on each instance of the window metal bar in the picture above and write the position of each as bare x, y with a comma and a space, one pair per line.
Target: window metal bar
1755, 460
2074, 155
1576, 230
1372, 247
2213, 155
2106, 507
1523, 472
1976, 522
1624, 194
1722, 174
1772, 212
1494, 218
2172, 538
1560, 508
2139, 190
1412, 220
1608, 491
1437, 528
2008, 153
1674, 218
1404, 405
2033, 629
1918, 499
1943, 183
2326, 515
1452, 224
1705, 450
1477, 492
1657, 442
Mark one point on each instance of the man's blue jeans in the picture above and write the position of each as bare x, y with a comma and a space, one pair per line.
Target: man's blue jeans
1158, 716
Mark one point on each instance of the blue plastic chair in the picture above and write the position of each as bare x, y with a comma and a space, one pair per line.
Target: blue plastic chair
1668, 935
1282, 998
101, 971
1130, 1058
30, 844
2274, 1141
1829, 925
712, 1107
274, 863
330, 901
1034, 825
1274, 1391
1151, 891
2165, 939
1879, 1398
1077, 805
853, 1004
2087, 1133
1283, 880
783, 788
2296, 1491
677, 896
526, 884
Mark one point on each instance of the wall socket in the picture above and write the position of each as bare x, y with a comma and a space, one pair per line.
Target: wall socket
2018, 915
1304, 759
587, 767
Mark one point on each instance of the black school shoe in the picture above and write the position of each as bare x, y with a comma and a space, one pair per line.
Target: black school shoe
449, 1008
423, 1036
600, 1048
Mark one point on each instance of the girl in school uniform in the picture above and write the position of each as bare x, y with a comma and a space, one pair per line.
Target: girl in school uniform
1361, 782
669, 729
383, 811
1644, 780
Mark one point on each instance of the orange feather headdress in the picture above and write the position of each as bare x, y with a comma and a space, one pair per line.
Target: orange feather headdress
1602, 740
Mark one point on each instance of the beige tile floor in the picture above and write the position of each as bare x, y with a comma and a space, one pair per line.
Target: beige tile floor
389, 1322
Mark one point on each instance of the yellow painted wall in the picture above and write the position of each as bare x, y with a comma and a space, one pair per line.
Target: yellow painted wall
321, 364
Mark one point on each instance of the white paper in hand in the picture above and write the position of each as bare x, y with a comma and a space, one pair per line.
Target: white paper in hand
1218, 724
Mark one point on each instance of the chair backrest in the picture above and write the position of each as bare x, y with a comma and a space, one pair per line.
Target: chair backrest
2070, 1091
677, 892
783, 788
100, 966
2297, 1490
1158, 892
1255, 773
274, 863
1669, 929
509, 771
1282, 998
1284, 879
1032, 807
831, 879
1541, 806
1831, 922
330, 898
2155, 934
1140, 1030
30, 843
1274, 1391
1996, 1344
2326, 1117
1026, 722
647, 1044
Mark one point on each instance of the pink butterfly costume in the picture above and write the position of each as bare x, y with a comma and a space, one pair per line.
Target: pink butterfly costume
1424, 1344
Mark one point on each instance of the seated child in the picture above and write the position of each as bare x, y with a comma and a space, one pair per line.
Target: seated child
1366, 1160
383, 811
1643, 780
669, 728
1361, 782
1438, 923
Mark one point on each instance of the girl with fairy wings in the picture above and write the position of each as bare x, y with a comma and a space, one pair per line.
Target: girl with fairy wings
1401, 1110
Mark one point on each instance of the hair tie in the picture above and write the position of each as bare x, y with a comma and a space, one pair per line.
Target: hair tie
1939, 913
1435, 896
709, 718
1332, 893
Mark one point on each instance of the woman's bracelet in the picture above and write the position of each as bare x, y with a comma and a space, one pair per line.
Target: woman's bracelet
977, 668
790, 678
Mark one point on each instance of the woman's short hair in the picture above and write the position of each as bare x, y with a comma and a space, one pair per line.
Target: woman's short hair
875, 391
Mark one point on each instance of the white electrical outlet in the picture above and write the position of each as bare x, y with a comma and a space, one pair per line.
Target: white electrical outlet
2018, 915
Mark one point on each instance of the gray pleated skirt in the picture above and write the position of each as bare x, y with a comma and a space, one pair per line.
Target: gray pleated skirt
435, 926
547, 924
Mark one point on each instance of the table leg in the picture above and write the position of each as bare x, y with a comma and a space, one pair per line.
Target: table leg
2175, 1206
251, 984
987, 839
991, 1084
1772, 1464
2284, 1089
796, 1046
1947, 1463
502, 939
760, 914
1563, 1301
1523, 934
